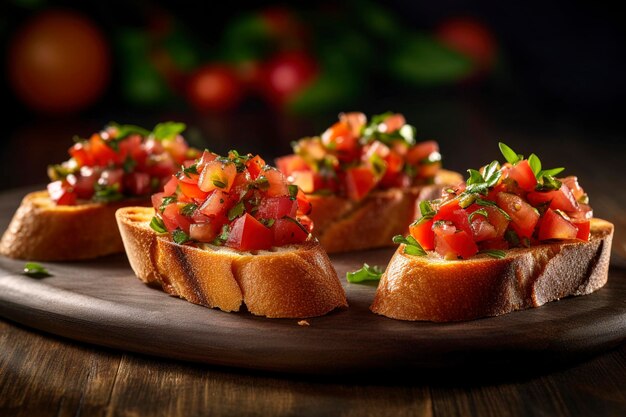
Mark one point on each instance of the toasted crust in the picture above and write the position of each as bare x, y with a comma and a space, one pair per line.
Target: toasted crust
429, 288
342, 225
294, 281
41, 230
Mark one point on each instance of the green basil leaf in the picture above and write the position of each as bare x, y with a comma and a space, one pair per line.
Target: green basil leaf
475, 177
179, 236
479, 212
509, 154
492, 173
129, 164
166, 202
157, 225
107, 193
426, 209
494, 253
551, 172
535, 164
366, 273
35, 270
168, 130
219, 183
293, 191
223, 236
123, 131
188, 209
236, 211
411, 246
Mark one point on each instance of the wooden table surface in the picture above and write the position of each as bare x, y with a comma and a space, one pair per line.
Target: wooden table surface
44, 375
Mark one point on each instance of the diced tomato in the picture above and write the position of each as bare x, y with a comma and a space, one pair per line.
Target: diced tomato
482, 229
303, 179
421, 151
177, 148
277, 183
276, 208
161, 166
584, 212
206, 157
424, 234
171, 186
192, 190
523, 174
304, 205
137, 183
173, 219
392, 123
359, 182
81, 153
354, 120
111, 177
217, 175
61, 193
290, 163
188, 177
217, 203
157, 200
306, 222
584, 229
240, 187
574, 186
451, 243
255, 165
555, 226
131, 147
445, 210
247, 233
375, 148
101, 152
286, 231
207, 230
561, 199
498, 220
84, 182
523, 216
339, 139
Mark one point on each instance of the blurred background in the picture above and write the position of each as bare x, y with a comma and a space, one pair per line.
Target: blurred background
541, 76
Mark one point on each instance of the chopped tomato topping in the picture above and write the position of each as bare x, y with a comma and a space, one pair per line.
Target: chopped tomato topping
359, 182
561, 199
523, 175
423, 233
555, 226
248, 233
287, 231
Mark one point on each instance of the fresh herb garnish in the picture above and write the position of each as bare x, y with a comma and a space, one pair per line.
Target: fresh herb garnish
293, 191
219, 183
123, 131
168, 130
478, 183
411, 246
166, 202
509, 154
107, 193
157, 225
236, 211
427, 211
237, 159
366, 273
268, 222
512, 237
260, 183
489, 203
180, 237
188, 209
129, 164
479, 212
187, 171
372, 131
494, 253
223, 236
35, 270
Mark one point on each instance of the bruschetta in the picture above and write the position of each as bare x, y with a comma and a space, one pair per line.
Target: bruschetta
364, 179
75, 217
513, 236
230, 231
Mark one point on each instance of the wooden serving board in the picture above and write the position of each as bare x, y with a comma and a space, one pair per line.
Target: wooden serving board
102, 302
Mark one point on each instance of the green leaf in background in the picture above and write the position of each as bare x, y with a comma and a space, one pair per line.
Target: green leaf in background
422, 61
168, 130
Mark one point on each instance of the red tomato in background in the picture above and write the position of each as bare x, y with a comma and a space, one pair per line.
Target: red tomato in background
214, 87
59, 62
287, 74
471, 38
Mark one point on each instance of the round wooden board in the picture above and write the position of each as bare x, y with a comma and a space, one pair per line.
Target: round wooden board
102, 302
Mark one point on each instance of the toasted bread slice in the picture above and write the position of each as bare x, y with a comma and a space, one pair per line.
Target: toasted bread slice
294, 281
43, 231
342, 225
430, 288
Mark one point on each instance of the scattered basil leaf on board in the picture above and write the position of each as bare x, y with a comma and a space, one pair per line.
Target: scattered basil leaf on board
35, 270
366, 273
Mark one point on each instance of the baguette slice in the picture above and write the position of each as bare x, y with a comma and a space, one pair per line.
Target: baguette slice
429, 288
342, 225
41, 230
294, 281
